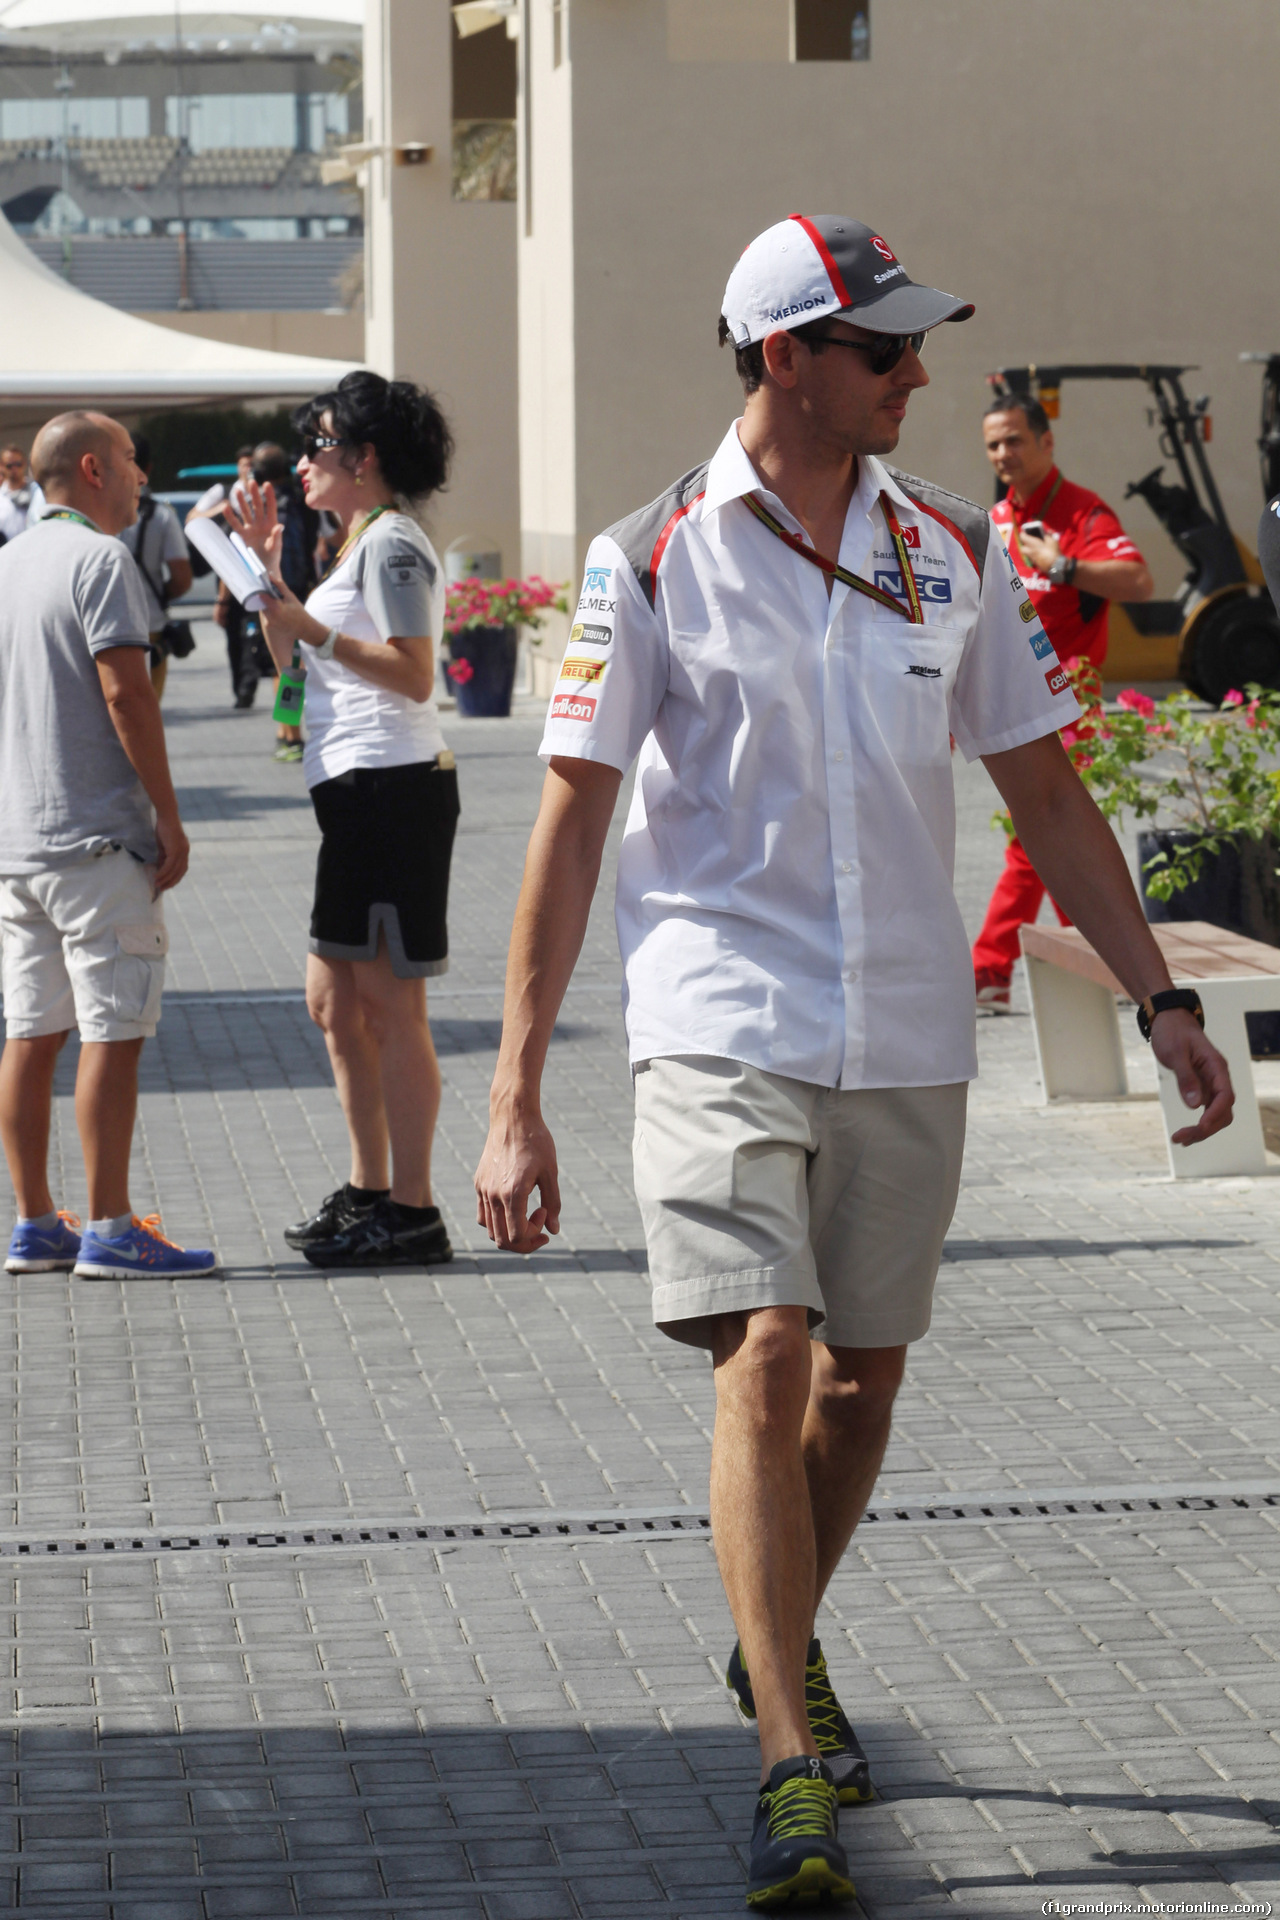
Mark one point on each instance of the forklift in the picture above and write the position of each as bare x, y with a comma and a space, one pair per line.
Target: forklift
1220, 631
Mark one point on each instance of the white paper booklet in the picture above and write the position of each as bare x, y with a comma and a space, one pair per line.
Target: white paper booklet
234, 563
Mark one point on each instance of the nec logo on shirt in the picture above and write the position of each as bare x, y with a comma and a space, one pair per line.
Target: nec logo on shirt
891, 582
572, 706
1056, 681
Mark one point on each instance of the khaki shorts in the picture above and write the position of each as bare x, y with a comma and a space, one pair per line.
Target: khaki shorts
84, 947
759, 1191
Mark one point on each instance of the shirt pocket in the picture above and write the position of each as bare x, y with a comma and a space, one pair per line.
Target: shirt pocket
908, 673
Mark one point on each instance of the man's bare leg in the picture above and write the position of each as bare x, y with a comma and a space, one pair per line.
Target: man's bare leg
846, 1431
26, 1111
106, 1108
760, 1512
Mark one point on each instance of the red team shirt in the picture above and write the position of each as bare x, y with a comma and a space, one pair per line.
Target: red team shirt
1087, 530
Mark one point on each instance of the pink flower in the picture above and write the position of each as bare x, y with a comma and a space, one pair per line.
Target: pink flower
1137, 702
1233, 699
461, 671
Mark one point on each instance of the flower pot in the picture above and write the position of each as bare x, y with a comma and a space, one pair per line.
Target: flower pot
490, 653
1237, 889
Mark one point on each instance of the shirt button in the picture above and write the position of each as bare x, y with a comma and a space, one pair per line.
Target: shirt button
846, 868
839, 753
851, 973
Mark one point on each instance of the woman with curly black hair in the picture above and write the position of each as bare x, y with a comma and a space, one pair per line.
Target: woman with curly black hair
385, 793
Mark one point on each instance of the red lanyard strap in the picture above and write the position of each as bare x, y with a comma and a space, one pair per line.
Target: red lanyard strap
912, 611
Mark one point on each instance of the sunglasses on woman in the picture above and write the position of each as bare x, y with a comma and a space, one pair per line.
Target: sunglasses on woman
884, 354
314, 443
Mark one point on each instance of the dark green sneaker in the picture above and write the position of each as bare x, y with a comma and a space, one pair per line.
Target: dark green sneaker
796, 1859
828, 1723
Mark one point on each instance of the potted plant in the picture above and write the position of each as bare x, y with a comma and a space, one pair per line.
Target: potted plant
482, 622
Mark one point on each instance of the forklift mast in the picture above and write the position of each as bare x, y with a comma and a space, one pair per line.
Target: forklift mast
1269, 437
1190, 510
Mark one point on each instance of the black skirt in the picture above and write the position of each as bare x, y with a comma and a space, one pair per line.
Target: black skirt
383, 867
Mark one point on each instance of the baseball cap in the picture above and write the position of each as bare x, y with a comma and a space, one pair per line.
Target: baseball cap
810, 265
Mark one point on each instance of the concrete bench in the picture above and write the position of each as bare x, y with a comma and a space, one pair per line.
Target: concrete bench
1077, 1029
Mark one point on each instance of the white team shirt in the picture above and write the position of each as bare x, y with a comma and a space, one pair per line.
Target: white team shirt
389, 585
784, 891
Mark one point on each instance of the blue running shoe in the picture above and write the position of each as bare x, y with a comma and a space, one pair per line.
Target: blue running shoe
52, 1249
142, 1253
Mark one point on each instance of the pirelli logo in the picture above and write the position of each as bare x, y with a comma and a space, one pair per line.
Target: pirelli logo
572, 706
575, 668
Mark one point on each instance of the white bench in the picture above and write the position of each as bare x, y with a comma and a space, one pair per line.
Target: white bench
1077, 1029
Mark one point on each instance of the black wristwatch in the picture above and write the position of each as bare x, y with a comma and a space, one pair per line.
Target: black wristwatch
1161, 1002
1063, 570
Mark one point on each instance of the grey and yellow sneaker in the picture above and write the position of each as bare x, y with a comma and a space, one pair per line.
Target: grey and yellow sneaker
796, 1859
828, 1723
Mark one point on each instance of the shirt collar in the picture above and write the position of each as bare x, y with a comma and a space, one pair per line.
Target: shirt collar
730, 475
1034, 503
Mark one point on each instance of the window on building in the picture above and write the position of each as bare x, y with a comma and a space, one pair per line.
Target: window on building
207, 120
328, 119
484, 115
831, 29
123, 119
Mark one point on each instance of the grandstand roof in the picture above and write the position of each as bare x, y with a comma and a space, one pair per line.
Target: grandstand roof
204, 26
59, 348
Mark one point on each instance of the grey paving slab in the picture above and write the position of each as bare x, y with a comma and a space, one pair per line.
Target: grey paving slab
1067, 1708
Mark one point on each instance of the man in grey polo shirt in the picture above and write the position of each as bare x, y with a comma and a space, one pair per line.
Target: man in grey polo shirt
90, 838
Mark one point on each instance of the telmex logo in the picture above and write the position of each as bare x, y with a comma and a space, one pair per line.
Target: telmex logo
583, 669
1026, 612
597, 579
890, 581
1056, 681
883, 248
572, 706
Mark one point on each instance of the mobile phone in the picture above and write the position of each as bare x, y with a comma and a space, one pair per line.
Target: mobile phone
1036, 528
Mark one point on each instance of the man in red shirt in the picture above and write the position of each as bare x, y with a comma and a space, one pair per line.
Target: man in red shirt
1075, 557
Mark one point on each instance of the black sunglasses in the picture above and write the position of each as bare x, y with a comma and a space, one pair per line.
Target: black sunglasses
314, 443
884, 354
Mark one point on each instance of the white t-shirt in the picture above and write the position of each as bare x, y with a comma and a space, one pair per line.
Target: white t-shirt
389, 585
784, 884
20, 508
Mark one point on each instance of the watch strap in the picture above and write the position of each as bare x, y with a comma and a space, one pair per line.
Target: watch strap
326, 648
1185, 997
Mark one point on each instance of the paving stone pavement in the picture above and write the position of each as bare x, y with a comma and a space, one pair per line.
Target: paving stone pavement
1067, 1707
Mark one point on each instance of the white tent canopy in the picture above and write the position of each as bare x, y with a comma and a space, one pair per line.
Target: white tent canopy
70, 27
59, 348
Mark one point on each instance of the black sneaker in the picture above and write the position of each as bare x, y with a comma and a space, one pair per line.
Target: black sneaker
336, 1212
835, 1739
796, 1859
386, 1236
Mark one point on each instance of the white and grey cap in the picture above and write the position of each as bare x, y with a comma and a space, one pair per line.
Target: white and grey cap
808, 266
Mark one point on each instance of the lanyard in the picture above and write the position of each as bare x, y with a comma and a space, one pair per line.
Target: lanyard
912, 611
1013, 526
357, 534
69, 513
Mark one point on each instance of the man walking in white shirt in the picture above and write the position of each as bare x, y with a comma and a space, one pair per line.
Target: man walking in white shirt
787, 638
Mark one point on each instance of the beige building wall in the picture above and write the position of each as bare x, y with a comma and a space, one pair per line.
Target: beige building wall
333, 336
440, 292
1098, 179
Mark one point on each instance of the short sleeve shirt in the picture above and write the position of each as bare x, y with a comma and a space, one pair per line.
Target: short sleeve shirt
154, 546
67, 786
784, 891
1087, 529
389, 586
